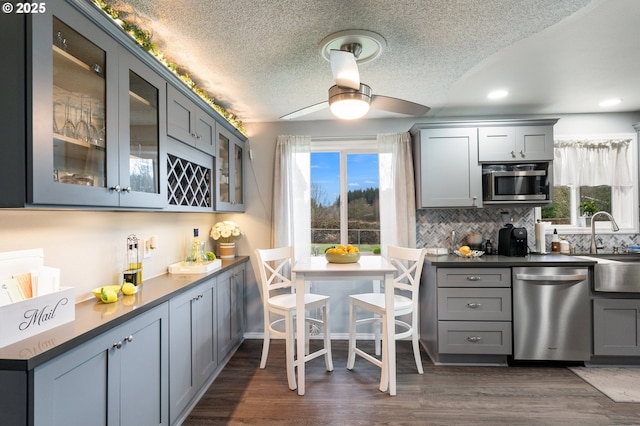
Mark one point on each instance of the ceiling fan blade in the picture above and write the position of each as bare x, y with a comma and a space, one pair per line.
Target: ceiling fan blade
305, 111
345, 69
399, 106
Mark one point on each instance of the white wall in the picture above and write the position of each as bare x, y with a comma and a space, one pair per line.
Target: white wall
89, 246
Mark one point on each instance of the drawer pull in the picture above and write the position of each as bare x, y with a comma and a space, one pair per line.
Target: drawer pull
474, 339
117, 345
473, 278
474, 305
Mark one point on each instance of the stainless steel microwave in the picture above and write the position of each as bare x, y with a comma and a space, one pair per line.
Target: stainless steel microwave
516, 182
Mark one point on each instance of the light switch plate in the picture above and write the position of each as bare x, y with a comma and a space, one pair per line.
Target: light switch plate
146, 249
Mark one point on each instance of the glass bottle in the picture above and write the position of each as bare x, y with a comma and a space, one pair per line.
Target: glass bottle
197, 254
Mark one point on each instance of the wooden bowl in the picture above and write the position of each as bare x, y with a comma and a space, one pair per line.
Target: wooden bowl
342, 257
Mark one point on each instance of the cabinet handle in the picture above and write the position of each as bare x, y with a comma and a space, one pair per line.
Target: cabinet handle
127, 189
198, 136
473, 278
193, 135
513, 154
117, 345
474, 305
129, 338
115, 188
522, 153
474, 339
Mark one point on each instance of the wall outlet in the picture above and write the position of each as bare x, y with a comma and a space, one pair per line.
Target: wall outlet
146, 249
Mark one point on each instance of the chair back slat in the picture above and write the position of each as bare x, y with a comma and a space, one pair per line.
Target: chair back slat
409, 263
275, 269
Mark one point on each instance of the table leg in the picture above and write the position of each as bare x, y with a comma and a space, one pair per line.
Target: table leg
300, 332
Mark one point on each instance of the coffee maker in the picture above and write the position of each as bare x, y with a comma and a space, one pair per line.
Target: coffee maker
512, 241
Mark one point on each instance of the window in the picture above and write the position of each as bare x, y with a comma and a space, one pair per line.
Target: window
351, 174
592, 175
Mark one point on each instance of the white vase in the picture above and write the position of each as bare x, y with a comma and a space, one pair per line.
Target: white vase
227, 250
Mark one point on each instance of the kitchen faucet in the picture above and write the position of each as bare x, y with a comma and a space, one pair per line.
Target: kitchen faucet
614, 228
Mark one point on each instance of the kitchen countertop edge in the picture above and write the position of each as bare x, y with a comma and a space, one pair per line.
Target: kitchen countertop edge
93, 318
494, 260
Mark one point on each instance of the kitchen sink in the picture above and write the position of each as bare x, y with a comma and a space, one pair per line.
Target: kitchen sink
615, 273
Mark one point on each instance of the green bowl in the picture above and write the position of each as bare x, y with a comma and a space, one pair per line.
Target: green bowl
342, 257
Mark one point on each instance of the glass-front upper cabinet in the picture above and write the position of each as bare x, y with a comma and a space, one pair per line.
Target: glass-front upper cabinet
230, 165
79, 108
142, 115
97, 111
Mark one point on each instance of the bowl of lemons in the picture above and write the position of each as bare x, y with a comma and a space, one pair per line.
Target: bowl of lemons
342, 254
465, 251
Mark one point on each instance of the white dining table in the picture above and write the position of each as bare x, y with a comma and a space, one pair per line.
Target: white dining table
317, 269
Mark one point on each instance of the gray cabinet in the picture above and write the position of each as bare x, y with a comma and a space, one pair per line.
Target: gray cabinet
117, 378
516, 143
188, 123
89, 129
230, 171
189, 178
446, 166
230, 310
466, 314
192, 351
616, 327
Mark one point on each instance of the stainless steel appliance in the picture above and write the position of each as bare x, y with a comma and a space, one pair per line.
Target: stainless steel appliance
512, 241
551, 314
516, 182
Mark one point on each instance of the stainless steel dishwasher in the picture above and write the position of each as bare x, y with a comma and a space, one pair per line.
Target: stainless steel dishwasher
551, 314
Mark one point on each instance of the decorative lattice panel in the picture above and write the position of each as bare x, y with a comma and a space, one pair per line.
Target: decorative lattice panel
189, 184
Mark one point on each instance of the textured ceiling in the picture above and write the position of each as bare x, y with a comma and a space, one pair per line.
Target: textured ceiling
261, 60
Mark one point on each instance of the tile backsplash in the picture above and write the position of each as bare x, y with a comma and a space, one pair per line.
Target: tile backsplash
434, 228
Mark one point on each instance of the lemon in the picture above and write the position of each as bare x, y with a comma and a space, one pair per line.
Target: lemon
128, 288
464, 250
108, 296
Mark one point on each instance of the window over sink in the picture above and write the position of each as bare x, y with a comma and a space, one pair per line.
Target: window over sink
594, 174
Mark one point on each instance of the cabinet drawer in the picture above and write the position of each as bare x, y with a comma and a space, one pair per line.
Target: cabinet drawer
474, 277
465, 337
474, 304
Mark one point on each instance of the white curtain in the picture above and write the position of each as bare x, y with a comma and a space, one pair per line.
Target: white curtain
592, 162
292, 194
397, 193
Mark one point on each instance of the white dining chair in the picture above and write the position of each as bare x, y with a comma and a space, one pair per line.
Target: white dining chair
409, 263
277, 284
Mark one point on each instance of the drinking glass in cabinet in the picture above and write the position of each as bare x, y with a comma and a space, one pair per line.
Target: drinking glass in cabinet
79, 102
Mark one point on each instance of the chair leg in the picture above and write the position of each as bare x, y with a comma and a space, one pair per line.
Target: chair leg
328, 358
290, 352
266, 342
384, 375
376, 335
351, 357
416, 343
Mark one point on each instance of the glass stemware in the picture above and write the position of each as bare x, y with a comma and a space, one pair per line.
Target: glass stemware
56, 128
82, 127
93, 130
68, 129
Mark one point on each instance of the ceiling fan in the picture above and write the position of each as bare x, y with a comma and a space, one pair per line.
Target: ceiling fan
349, 98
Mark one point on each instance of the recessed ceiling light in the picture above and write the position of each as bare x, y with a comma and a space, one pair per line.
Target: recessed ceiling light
610, 102
497, 94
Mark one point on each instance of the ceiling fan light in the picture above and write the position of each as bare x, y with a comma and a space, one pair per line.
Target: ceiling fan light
349, 104
349, 109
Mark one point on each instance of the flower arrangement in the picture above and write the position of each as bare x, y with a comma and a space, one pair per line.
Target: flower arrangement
226, 231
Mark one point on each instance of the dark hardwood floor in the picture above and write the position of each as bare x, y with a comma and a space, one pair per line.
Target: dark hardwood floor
243, 394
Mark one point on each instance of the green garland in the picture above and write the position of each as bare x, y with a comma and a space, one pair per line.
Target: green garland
143, 38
